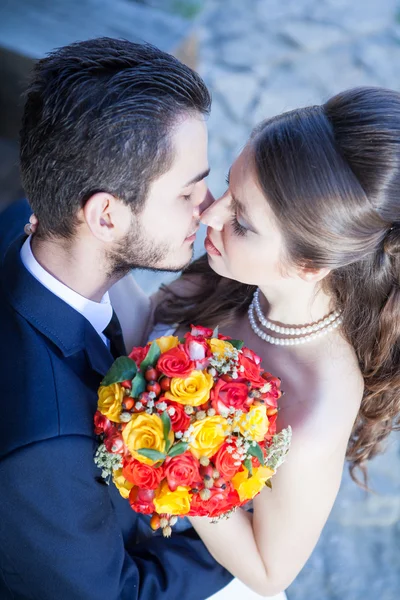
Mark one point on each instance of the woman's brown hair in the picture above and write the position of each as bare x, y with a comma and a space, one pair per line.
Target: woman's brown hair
331, 175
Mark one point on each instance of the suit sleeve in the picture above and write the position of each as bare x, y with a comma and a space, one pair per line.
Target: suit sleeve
60, 538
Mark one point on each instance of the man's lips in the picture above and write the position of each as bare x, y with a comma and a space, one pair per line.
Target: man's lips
192, 236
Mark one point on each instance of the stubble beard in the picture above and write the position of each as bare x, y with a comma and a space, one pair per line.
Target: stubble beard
137, 252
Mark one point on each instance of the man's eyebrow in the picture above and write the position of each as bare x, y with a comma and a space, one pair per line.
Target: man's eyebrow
198, 178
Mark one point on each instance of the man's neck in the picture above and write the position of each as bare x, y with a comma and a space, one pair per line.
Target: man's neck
77, 264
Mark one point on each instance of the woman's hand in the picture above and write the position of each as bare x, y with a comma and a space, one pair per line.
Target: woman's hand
31, 227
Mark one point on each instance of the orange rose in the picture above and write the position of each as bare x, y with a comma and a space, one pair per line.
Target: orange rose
144, 476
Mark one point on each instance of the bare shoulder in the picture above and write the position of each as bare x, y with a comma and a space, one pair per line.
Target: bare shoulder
323, 414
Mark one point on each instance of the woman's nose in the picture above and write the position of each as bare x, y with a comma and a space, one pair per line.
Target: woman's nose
216, 214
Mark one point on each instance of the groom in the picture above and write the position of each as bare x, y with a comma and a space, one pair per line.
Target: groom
113, 161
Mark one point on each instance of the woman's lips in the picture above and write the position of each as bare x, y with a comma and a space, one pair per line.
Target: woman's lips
210, 248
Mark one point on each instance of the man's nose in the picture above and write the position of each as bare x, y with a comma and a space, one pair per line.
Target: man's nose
207, 201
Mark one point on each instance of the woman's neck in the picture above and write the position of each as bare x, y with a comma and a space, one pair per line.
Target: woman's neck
299, 304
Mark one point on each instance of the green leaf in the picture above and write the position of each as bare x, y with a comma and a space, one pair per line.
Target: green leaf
178, 449
238, 344
257, 452
166, 421
249, 466
152, 357
182, 340
215, 333
268, 484
152, 454
123, 368
138, 385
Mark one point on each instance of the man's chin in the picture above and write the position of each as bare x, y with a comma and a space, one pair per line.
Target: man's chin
172, 265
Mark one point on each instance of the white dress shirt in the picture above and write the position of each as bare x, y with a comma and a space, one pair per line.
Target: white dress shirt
97, 313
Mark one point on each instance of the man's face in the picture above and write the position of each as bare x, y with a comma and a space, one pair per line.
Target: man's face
161, 237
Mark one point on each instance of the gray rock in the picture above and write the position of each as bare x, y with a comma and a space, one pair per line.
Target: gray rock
312, 36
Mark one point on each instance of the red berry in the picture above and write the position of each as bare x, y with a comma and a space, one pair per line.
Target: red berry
128, 403
150, 374
165, 384
127, 384
144, 397
155, 522
155, 387
226, 378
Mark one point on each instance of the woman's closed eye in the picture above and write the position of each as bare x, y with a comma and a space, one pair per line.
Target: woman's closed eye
238, 228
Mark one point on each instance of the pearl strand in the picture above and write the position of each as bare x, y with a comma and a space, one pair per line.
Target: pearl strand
292, 330
291, 341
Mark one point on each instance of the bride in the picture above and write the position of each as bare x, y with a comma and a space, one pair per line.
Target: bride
303, 264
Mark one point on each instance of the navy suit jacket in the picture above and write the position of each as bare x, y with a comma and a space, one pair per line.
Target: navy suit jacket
64, 534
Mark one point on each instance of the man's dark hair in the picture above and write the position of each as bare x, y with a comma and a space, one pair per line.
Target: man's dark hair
98, 117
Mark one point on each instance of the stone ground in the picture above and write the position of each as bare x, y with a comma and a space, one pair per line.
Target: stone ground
260, 58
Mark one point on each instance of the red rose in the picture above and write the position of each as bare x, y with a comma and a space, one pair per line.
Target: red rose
182, 470
175, 363
251, 355
250, 371
139, 354
224, 461
101, 423
230, 394
180, 421
220, 502
144, 476
141, 501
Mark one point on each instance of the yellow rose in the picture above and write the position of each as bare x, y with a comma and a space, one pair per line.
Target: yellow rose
144, 431
247, 487
208, 436
254, 423
172, 503
167, 342
219, 347
124, 486
193, 390
110, 401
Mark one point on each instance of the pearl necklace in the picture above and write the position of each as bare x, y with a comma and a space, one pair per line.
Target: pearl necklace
306, 333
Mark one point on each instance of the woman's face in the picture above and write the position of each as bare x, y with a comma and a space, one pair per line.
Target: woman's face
243, 241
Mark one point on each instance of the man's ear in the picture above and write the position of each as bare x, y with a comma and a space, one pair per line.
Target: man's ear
106, 217
312, 275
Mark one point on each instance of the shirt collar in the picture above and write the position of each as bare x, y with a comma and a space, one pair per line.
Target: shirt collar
97, 313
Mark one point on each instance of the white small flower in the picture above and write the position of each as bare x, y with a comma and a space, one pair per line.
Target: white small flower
152, 395
178, 435
125, 417
171, 411
138, 405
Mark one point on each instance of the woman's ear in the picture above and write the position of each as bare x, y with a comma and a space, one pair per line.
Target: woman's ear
313, 275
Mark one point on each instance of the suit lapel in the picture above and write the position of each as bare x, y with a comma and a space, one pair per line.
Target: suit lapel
55, 319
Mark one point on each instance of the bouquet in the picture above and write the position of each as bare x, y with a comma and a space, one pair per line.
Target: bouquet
188, 427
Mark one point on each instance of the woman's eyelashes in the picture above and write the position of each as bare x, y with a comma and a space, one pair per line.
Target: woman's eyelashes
237, 227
